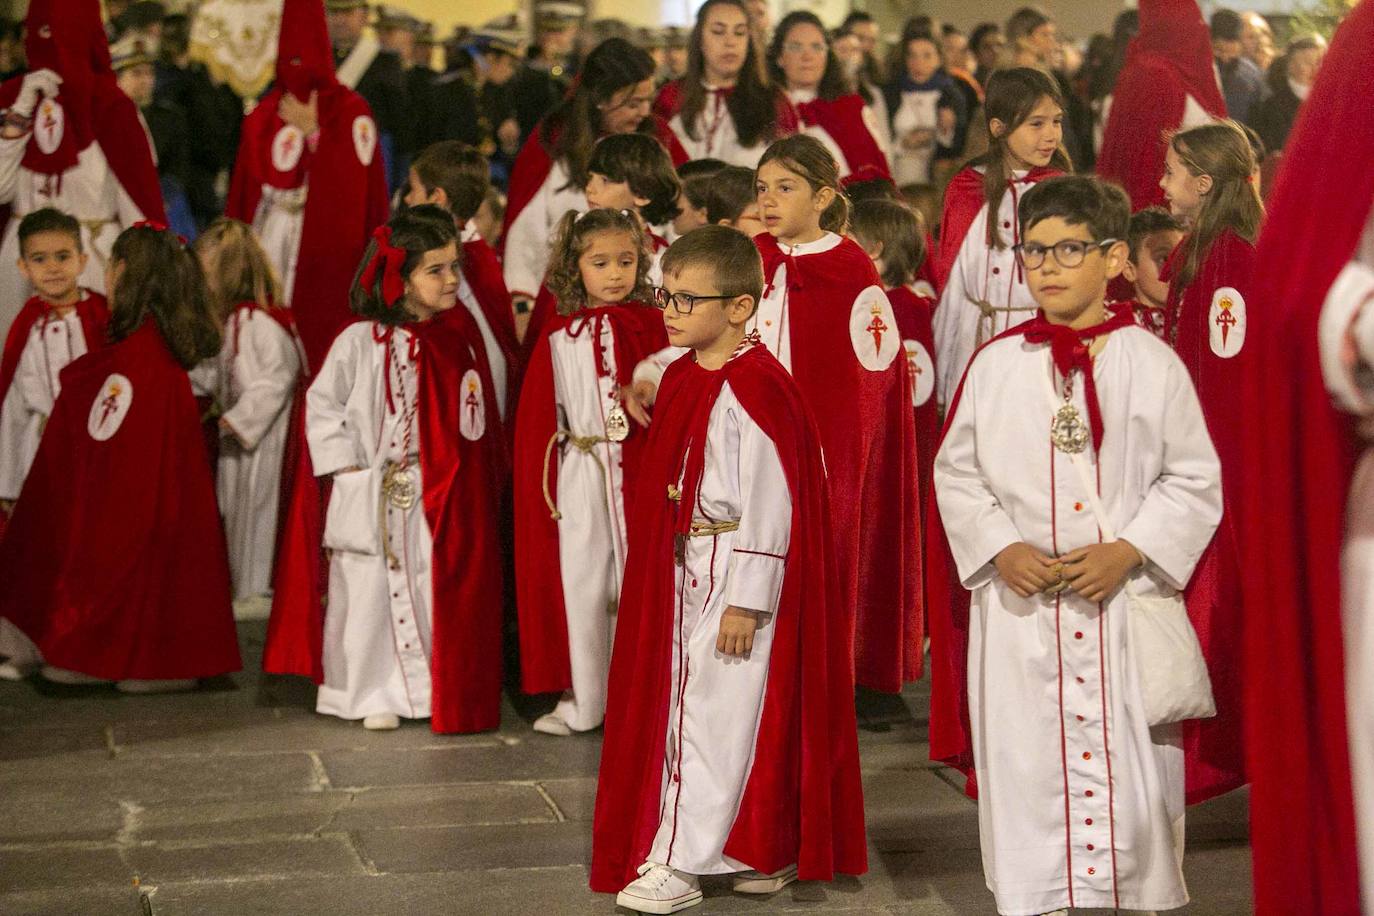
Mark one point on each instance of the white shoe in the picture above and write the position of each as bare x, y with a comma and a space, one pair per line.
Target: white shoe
660, 889
15, 671
382, 722
63, 676
551, 724
135, 685
756, 882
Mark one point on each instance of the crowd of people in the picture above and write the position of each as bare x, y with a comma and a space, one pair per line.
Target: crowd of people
718, 368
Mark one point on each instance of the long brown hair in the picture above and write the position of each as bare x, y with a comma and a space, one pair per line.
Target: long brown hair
236, 268
833, 81
1012, 97
753, 103
162, 279
808, 157
1222, 152
571, 238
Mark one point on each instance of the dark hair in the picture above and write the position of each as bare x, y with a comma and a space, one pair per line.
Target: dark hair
48, 219
641, 162
695, 168
898, 229
1025, 21
732, 256
729, 193
569, 131
696, 176
459, 170
417, 231
1012, 95
161, 278
854, 18
1227, 25
1079, 200
753, 104
808, 157
1149, 221
573, 234
833, 83
981, 32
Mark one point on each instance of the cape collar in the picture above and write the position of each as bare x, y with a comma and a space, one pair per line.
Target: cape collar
351, 71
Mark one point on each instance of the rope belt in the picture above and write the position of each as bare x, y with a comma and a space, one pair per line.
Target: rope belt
584, 444
699, 529
987, 318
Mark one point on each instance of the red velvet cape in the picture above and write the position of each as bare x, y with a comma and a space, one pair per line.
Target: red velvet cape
964, 200
1167, 61
1299, 453
913, 322
115, 563
843, 120
638, 331
1215, 747
866, 429
462, 481
482, 270
92, 309
668, 103
803, 800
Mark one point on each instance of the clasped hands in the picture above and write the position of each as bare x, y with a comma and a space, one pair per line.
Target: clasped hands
1093, 572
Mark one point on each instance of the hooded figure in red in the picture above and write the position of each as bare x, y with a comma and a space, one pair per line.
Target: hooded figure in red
86, 152
315, 239
1305, 501
1168, 83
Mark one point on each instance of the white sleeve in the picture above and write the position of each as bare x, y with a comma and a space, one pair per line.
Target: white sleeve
1194, 115
947, 327
879, 133
333, 441
11, 154
264, 371
759, 559
527, 245
204, 378
652, 367
1346, 323
27, 406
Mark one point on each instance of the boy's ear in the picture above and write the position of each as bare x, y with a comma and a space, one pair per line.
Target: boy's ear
641, 202
439, 197
1118, 257
741, 309
1128, 271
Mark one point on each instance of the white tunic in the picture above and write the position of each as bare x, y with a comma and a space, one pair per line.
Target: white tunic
1080, 801
278, 223
716, 701
88, 191
802, 96
717, 137
985, 295
377, 639
919, 110
591, 531
257, 370
53, 343
495, 358
530, 236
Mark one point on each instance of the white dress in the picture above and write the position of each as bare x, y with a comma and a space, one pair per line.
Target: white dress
530, 237
918, 110
377, 632
1080, 801
716, 701
717, 137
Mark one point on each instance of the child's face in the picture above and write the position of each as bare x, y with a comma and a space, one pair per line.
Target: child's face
750, 221
488, 225
922, 60
790, 209
608, 266
52, 262
1182, 189
724, 42
416, 194
432, 286
710, 319
689, 217
602, 193
1069, 295
1143, 270
1033, 142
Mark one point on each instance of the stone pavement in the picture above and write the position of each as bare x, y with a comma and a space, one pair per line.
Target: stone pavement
238, 800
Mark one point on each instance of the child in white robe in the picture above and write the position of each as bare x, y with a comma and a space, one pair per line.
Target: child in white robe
1080, 799
254, 379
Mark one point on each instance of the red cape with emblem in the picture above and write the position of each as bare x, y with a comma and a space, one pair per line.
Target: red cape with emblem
913, 323
865, 422
803, 800
115, 564
68, 38
1167, 61
843, 120
964, 200
638, 331
344, 171
462, 481
482, 270
1299, 453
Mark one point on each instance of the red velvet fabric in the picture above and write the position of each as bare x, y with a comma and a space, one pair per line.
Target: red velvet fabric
964, 200
843, 120
92, 309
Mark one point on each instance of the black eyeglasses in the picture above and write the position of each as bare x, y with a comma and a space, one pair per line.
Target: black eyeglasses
682, 303
1068, 253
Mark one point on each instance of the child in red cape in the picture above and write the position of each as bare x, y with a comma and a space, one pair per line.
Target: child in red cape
401, 419
114, 562
730, 735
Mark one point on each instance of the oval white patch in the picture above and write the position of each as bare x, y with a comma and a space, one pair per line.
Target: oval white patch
49, 125
287, 147
110, 407
472, 419
873, 330
1226, 322
364, 138
922, 372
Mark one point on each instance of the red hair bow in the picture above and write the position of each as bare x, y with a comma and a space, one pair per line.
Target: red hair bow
386, 261
157, 226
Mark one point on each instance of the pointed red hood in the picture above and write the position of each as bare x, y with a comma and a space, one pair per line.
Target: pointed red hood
1174, 30
69, 39
305, 60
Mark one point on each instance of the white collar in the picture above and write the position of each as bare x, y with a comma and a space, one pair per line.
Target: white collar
358, 60
824, 243
801, 96
469, 233
1299, 89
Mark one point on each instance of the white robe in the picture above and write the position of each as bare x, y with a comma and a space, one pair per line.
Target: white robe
377, 633
592, 537
717, 137
716, 702
870, 119
980, 274
495, 358
256, 374
278, 223
530, 237
1349, 308
1080, 801
919, 110
88, 191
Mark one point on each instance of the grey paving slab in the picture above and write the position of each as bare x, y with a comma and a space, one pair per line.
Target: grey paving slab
237, 819
514, 846
62, 867
535, 757
159, 863
279, 730
443, 806
69, 811
123, 902
915, 810
575, 798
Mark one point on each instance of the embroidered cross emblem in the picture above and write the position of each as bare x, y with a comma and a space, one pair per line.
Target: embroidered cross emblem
876, 327
108, 405
1226, 320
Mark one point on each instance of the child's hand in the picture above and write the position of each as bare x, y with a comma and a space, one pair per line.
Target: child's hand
919, 138
638, 398
1095, 571
1026, 569
737, 628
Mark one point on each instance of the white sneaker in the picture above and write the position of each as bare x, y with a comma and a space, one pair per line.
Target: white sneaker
63, 676
382, 722
551, 724
660, 889
135, 685
756, 882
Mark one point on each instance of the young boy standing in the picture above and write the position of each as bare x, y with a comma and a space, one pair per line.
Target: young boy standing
1080, 800
730, 736
1153, 236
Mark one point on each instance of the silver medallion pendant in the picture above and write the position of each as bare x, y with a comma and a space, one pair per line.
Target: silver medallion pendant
617, 424
398, 486
1068, 432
